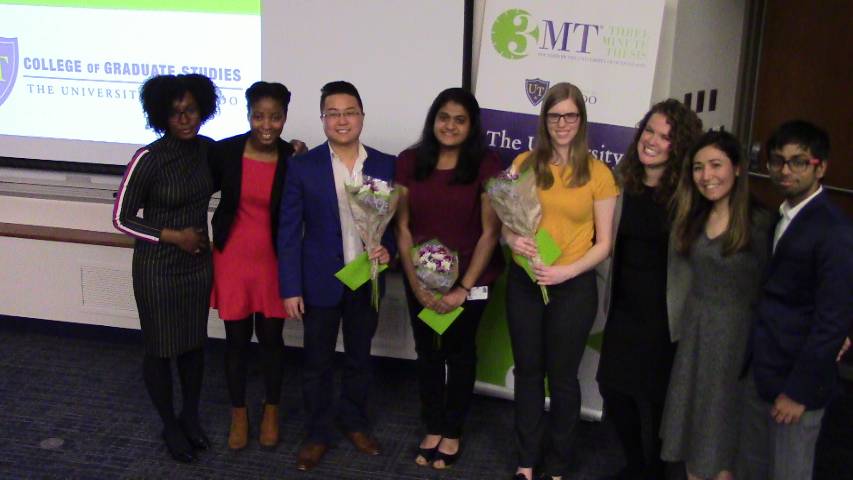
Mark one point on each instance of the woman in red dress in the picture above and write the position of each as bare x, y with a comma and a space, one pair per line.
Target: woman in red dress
249, 170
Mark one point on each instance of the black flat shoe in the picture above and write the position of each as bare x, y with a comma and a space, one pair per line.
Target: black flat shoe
195, 435
178, 446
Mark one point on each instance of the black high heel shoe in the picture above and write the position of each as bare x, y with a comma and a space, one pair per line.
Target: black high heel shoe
195, 435
426, 453
178, 446
447, 458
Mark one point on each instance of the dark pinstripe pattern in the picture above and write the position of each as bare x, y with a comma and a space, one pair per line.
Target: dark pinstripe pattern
172, 184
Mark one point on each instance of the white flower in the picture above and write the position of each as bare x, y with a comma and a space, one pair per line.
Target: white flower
384, 188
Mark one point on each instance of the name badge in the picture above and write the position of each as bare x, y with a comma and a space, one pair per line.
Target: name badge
478, 293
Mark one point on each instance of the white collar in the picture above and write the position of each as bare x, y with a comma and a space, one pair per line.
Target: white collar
362, 153
790, 212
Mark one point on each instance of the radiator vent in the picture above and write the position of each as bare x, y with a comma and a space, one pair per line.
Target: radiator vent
107, 289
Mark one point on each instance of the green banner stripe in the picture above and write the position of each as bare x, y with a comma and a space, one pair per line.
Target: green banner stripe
245, 7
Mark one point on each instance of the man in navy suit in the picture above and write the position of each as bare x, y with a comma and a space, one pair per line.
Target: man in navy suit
803, 314
317, 237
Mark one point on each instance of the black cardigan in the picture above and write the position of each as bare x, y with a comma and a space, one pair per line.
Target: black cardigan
226, 165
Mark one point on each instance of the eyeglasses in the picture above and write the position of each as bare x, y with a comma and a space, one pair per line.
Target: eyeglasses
797, 164
570, 118
189, 112
336, 115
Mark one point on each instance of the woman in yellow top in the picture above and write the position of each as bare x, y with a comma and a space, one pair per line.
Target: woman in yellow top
578, 197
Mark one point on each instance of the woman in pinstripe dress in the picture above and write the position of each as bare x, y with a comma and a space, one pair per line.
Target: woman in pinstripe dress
170, 181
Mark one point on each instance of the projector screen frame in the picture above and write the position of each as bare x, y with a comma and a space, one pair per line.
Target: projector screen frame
105, 169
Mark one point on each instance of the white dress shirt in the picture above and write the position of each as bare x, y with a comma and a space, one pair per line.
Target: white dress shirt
788, 213
352, 244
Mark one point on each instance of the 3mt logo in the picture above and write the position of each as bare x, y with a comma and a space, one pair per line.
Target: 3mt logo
512, 34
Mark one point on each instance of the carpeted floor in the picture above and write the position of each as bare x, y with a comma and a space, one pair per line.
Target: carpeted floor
72, 405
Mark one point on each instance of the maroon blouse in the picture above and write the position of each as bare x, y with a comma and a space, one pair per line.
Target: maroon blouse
449, 212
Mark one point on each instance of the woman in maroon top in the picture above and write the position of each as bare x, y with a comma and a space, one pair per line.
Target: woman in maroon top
442, 197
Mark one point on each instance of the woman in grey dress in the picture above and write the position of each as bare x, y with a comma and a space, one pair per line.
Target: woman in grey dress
171, 182
721, 240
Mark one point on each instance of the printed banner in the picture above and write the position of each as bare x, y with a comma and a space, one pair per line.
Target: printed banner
72, 69
607, 48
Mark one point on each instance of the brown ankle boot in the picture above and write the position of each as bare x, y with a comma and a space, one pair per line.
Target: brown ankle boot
238, 437
269, 427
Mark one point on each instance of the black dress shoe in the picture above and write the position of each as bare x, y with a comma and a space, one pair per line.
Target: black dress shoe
310, 455
178, 446
195, 435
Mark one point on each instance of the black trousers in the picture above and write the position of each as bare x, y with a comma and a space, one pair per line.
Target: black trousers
446, 366
358, 320
548, 341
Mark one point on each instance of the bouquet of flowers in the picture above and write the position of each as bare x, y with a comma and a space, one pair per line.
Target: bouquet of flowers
435, 265
437, 268
373, 202
514, 198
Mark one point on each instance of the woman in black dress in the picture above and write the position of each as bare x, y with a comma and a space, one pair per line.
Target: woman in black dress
170, 180
638, 349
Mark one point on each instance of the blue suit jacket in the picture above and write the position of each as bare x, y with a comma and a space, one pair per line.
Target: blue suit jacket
805, 307
310, 245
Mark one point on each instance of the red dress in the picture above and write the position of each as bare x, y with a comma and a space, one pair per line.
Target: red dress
245, 272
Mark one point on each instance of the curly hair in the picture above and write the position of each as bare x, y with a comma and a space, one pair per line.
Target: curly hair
685, 128
472, 150
159, 93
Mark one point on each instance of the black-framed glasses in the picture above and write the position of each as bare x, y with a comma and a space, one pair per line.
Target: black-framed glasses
798, 164
570, 118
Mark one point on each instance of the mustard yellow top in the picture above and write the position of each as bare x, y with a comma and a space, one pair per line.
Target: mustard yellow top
567, 213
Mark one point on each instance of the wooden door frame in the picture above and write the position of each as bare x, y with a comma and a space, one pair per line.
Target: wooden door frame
747, 95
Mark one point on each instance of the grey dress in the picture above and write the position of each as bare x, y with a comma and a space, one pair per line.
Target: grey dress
701, 415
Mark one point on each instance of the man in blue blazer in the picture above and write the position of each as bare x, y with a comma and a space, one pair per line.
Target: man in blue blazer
317, 237
803, 314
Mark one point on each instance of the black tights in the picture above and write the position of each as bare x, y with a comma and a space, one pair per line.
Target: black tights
157, 373
238, 335
637, 423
